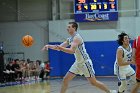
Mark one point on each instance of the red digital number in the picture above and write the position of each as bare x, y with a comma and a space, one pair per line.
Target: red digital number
81, 1
113, 6
79, 8
111, 0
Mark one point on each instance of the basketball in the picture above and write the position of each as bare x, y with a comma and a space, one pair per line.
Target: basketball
27, 41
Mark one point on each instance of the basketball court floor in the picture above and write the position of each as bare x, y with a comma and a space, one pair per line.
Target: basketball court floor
77, 85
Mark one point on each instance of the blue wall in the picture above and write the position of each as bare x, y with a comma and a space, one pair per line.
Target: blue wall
102, 54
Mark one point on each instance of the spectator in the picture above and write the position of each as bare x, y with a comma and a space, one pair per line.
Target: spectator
17, 69
47, 69
42, 67
9, 73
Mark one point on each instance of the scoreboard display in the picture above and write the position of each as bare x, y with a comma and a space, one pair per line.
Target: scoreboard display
95, 10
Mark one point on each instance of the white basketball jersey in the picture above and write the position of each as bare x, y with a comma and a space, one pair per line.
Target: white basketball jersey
80, 52
127, 55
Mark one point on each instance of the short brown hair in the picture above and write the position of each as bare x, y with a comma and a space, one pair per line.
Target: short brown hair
74, 24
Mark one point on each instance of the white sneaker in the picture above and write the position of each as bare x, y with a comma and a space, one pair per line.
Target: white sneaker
113, 91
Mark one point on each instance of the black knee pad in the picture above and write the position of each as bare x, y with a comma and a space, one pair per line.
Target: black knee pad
120, 92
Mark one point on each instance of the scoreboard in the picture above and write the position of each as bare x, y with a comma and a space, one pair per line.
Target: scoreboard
95, 10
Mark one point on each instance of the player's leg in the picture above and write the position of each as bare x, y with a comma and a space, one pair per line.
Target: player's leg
132, 75
121, 74
123, 86
137, 85
98, 84
89, 73
69, 76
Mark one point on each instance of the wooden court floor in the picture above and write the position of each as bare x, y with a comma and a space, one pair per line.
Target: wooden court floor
77, 85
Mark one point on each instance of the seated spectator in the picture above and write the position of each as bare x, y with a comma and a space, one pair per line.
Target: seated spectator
42, 72
26, 71
47, 69
37, 69
18, 71
9, 73
33, 70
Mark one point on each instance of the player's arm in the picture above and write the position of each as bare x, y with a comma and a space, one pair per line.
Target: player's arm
133, 52
64, 44
71, 50
133, 55
54, 47
120, 58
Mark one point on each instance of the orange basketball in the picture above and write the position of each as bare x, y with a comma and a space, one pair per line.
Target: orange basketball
27, 41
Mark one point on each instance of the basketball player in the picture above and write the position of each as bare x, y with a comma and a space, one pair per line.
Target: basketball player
83, 64
122, 66
136, 58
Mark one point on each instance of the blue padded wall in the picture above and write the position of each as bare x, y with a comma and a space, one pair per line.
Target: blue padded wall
102, 54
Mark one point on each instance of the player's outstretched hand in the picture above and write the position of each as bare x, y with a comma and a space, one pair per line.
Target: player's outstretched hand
59, 47
45, 47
